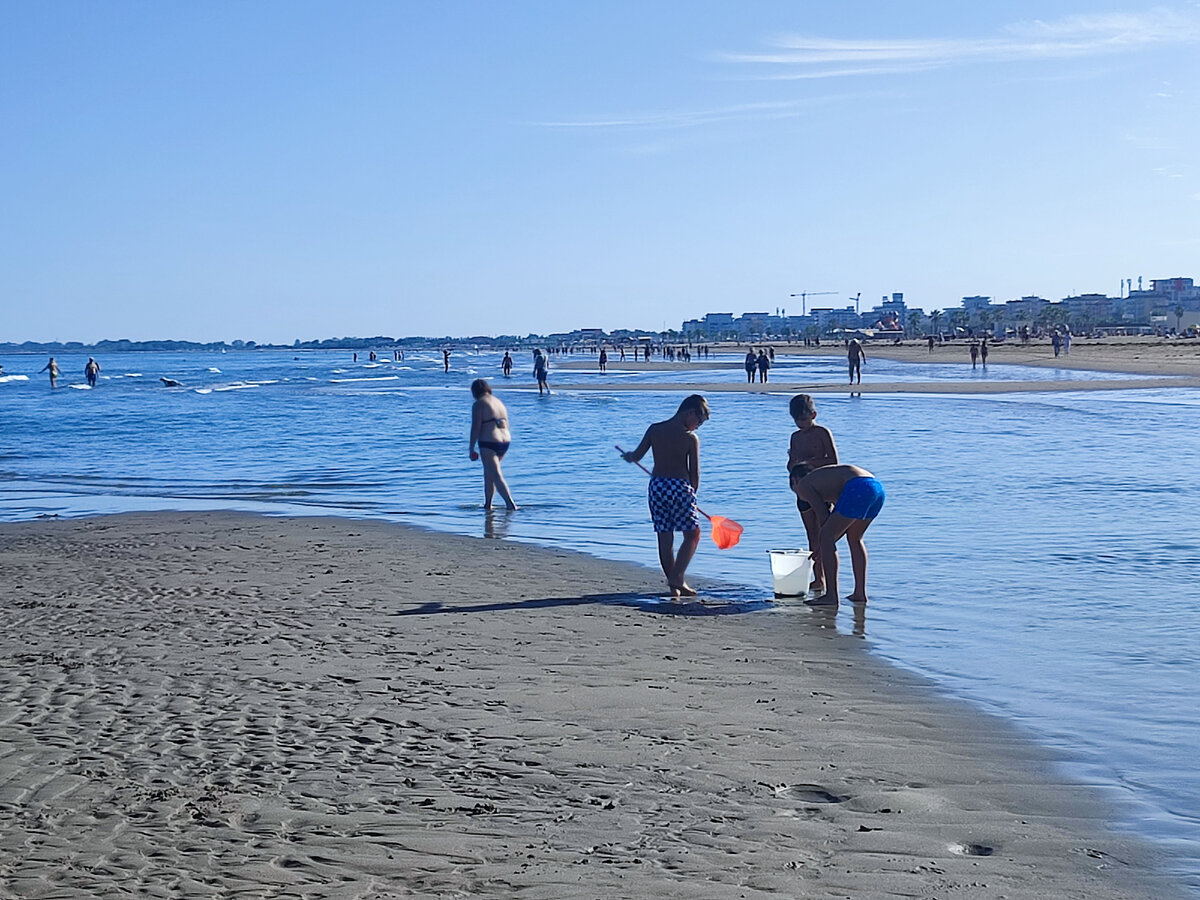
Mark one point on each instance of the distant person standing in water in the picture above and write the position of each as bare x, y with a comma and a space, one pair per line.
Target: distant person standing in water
974, 354
751, 362
764, 366
855, 356
983, 352
506, 364
489, 429
52, 368
90, 371
446, 359
603, 360
539, 371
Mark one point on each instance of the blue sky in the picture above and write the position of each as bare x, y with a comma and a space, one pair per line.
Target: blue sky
282, 170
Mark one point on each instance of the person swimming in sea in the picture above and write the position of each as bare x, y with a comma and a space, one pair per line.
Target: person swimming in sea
489, 429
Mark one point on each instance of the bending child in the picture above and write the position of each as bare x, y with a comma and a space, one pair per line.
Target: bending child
811, 448
857, 497
673, 485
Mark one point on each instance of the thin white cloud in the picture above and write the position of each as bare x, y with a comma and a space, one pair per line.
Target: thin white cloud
689, 118
801, 56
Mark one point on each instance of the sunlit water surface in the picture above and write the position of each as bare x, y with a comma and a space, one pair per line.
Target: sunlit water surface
1037, 554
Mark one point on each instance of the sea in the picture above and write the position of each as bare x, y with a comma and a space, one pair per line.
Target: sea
1037, 556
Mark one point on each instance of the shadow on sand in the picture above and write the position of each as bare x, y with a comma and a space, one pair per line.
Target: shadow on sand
726, 602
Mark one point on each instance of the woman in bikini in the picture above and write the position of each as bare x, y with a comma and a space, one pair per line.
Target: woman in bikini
489, 429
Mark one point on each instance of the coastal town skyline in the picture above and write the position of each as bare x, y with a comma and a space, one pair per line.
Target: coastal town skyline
276, 170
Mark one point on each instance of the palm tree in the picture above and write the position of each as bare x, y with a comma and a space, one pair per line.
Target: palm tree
915, 320
958, 320
1178, 310
934, 318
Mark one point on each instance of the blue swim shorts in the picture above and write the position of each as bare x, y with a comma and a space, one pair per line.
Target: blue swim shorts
673, 505
861, 498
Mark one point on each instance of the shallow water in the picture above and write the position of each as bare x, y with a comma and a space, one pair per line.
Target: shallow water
1037, 553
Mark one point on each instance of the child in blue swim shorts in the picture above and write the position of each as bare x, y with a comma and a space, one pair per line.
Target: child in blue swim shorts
673, 484
856, 497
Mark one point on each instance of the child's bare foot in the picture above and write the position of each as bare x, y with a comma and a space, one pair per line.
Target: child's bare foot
687, 590
817, 588
822, 600
857, 598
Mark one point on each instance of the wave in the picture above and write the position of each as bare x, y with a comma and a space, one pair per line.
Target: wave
6, 378
374, 378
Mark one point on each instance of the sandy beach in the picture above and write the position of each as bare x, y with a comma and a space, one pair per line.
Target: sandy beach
213, 704
1165, 363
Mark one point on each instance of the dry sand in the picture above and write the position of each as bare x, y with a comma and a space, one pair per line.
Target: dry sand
1167, 363
224, 705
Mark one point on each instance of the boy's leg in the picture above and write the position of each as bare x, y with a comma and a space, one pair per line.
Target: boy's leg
687, 549
858, 559
809, 518
666, 552
831, 532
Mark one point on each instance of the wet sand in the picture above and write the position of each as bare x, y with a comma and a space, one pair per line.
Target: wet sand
218, 704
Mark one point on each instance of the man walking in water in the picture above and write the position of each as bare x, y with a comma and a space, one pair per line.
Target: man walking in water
855, 355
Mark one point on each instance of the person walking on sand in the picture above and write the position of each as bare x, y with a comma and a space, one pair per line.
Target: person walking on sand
764, 365
855, 356
489, 429
52, 368
506, 364
857, 497
90, 371
603, 360
811, 447
974, 353
983, 352
674, 480
751, 363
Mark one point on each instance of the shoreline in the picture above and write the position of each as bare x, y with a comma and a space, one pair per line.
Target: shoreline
215, 702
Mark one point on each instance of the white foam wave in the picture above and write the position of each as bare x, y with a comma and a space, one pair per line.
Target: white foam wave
377, 378
6, 378
214, 369
80, 387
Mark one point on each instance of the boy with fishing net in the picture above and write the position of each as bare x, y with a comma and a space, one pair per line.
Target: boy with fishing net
673, 485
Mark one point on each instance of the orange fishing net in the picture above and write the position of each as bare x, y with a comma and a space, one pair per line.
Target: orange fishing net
725, 532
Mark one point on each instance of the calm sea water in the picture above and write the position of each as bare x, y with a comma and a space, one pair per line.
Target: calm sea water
1037, 554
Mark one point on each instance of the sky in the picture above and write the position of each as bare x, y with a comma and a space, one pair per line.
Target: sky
274, 171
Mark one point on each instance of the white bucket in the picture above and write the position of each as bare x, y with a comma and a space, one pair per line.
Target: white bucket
791, 571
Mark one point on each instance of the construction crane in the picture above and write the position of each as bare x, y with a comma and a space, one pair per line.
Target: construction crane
804, 295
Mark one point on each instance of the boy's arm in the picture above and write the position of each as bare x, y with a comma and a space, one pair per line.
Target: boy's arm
694, 461
792, 458
830, 456
640, 450
820, 508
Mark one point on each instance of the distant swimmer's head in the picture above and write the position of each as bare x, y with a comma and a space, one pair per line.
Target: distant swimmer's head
802, 408
480, 388
697, 405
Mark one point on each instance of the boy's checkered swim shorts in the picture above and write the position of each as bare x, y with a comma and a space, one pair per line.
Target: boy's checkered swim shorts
673, 505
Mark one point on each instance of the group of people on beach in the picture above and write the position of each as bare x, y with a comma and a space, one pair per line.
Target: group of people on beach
835, 500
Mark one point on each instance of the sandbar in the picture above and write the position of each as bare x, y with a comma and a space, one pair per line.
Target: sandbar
218, 704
